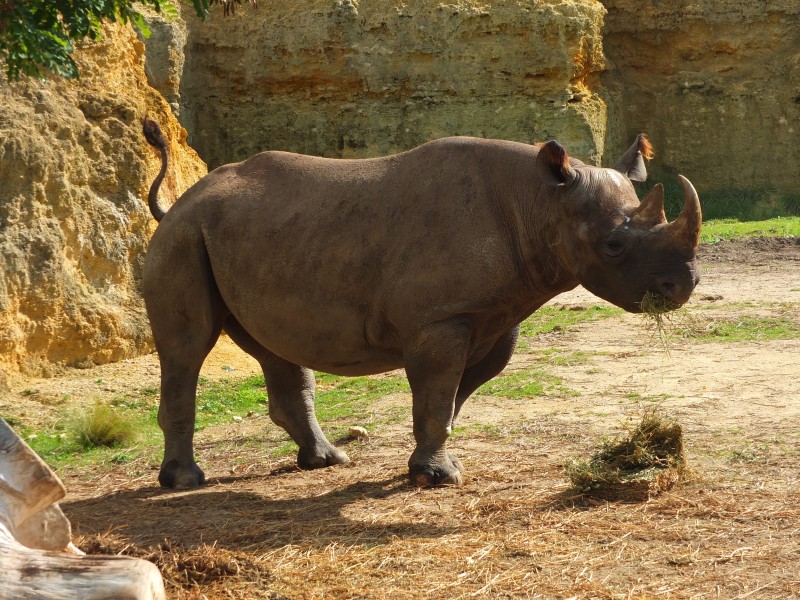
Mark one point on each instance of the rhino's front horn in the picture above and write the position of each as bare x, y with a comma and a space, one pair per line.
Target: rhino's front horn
686, 227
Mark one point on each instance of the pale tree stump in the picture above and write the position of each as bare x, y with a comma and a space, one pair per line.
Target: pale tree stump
37, 558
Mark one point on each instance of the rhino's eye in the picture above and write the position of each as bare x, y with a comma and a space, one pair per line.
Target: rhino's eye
613, 248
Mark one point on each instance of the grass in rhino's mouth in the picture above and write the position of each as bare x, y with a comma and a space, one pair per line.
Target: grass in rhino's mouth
654, 303
655, 309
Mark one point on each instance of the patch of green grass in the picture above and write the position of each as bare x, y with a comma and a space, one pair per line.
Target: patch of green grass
526, 383
220, 401
488, 430
716, 230
551, 319
93, 439
563, 358
340, 397
743, 328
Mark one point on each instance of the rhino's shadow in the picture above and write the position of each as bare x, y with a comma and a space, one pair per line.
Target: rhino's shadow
243, 519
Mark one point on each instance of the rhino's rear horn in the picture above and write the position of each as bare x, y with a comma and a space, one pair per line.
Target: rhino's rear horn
552, 164
651, 211
686, 227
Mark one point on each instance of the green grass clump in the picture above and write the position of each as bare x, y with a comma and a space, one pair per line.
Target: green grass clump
220, 401
341, 397
102, 426
647, 461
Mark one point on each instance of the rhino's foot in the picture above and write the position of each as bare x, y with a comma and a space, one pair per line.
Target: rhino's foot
173, 476
316, 458
432, 474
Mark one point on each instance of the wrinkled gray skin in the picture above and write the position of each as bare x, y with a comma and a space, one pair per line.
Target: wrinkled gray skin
426, 260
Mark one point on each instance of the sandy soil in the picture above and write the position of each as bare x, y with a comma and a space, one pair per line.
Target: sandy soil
358, 530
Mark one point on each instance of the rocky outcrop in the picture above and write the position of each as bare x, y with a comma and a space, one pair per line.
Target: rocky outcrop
74, 223
355, 78
715, 82
164, 54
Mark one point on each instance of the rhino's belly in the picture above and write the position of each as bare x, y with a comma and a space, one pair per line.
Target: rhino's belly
331, 352
334, 336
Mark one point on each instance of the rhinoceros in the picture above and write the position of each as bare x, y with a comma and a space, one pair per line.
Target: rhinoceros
426, 260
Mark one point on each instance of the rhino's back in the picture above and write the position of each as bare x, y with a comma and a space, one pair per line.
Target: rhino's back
351, 255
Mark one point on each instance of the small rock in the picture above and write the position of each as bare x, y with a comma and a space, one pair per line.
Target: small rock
358, 432
237, 418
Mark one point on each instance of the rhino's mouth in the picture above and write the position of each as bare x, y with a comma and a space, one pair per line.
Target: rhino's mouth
653, 303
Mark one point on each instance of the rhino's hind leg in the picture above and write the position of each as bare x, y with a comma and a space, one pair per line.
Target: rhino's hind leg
186, 314
182, 348
176, 417
290, 389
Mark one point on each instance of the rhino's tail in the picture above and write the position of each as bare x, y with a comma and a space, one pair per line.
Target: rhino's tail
154, 136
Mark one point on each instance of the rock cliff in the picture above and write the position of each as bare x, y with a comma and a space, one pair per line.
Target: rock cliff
350, 78
715, 82
74, 173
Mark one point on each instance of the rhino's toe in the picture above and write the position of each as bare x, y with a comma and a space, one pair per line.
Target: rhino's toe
308, 460
175, 477
425, 476
456, 463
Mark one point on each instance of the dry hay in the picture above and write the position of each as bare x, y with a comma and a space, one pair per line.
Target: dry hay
658, 311
184, 569
648, 461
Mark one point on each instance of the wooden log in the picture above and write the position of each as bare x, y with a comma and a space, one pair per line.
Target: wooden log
33, 529
40, 575
27, 484
49, 529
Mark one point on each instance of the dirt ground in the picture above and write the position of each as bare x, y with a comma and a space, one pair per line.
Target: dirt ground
263, 529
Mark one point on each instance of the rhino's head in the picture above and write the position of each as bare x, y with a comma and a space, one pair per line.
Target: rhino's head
617, 247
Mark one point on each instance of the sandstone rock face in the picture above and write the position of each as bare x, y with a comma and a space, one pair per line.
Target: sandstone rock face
74, 224
164, 57
715, 82
356, 78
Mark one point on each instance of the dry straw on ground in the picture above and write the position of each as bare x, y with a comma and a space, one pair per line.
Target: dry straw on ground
185, 570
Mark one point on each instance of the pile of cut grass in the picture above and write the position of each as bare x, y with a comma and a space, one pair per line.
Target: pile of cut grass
648, 461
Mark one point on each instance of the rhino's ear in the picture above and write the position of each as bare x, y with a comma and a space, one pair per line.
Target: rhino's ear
552, 164
632, 162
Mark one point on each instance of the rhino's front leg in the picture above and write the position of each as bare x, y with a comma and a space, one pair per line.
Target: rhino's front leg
434, 366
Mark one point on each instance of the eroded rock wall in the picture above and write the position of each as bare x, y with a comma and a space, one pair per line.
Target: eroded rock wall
715, 82
364, 78
74, 224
